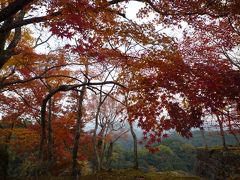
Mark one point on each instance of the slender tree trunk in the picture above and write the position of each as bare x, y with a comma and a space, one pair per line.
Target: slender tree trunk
43, 130
109, 155
50, 133
236, 138
110, 150
222, 131
101, 155
135, 147
103, 150
98, 163
95, 138
75, 171
231, 130
203, 137
95, 143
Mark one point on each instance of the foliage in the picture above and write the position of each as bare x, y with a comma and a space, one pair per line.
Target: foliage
133, 174
212, 138
172, 155
146, 75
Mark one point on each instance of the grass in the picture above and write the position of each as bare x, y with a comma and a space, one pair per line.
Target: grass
127, 174
130, 174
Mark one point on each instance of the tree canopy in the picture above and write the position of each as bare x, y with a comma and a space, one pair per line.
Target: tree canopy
109, 70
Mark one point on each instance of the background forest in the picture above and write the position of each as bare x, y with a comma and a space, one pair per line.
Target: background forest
79, 77
176, 153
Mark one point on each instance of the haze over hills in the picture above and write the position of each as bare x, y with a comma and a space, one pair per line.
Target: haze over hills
212, 138
176, 153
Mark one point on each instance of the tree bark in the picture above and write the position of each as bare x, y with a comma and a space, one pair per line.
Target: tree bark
95, 141
231, 130
13, 8
95, 138
135, 147
43, 131
235, 136
109, 155
203, 137
75, 172
6, 54
61, 88
102, 152
222, 131
50, 133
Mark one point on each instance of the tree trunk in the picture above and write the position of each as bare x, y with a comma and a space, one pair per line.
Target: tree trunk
236, 138
75, 171
231, 130
50, 133
7, 53
43, 131
109, 155
203, 137
101, 157
95, 143
222, 131
135, 150
95, 138
103, 146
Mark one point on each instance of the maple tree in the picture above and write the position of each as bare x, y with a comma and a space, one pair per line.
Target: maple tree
216, 43
170, 83
109, 126
188, 82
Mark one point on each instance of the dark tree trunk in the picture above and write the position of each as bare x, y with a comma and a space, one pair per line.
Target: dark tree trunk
75, 171
222, 131
236, 138
109, 155
8, 52
13, 8
135, 150
103, 146
50, 133
231, 130
43, 131
95, 142
203, 137
97, 166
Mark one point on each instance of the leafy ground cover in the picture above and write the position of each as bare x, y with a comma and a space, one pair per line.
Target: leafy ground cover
139, 175
129, 174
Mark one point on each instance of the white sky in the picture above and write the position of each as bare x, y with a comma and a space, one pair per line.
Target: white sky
131, 11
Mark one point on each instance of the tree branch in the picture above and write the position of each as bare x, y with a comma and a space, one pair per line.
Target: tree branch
13, 8
28, 21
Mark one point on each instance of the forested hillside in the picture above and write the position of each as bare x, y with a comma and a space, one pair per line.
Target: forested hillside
176, 152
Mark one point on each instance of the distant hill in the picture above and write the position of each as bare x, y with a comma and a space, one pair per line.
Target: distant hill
176, 153
213, 138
